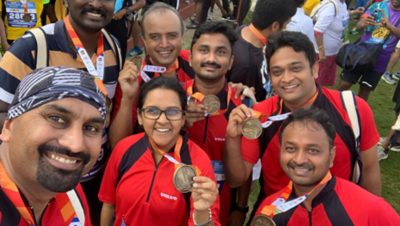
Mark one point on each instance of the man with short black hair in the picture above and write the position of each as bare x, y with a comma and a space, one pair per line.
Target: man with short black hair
249, 67
293, 68
313, 196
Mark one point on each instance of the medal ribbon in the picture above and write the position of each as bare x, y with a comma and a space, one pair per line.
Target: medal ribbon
157, 70
280, 205
97, 71
280, 116
25, 5
200, 97
12, 192
176, 159
258, 34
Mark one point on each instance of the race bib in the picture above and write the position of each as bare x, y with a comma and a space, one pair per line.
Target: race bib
16, 17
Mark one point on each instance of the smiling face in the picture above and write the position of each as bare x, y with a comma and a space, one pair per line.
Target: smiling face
305, 154
90, 15
53, 145
292, 77
211, 56
162, 37
162, 131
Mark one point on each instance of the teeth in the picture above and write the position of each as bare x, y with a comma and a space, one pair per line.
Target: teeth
290, 87
162, 130
94, 14
62, 160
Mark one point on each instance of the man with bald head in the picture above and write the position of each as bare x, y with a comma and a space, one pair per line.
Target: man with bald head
162, 34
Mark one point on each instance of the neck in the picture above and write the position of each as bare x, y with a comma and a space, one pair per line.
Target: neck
87, 37
209, 87
251, 38
308, 102
313, 191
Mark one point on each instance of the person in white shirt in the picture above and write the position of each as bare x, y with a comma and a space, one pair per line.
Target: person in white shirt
302, 23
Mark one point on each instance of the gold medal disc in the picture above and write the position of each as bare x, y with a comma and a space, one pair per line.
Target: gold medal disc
212, 103
27, 17
262, 220
183, 178
251, 128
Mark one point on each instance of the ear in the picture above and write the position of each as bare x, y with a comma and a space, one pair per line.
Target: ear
332, 154
315, 69
139, 117
231, 62
275, 27
6, 131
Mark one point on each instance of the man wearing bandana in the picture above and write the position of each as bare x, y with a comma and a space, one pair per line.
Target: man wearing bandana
51, 137
76, 41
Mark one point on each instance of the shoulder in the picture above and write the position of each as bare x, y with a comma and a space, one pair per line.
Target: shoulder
124, 144
185, 54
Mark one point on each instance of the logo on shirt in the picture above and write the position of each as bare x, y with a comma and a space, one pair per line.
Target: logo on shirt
221, 139
75, 222
170, 197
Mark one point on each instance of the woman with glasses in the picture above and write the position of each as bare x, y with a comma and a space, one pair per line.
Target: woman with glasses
159, 177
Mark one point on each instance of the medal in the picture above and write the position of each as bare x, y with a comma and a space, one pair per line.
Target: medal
27, 17
262, 220
183, 178
212, 103
251, 128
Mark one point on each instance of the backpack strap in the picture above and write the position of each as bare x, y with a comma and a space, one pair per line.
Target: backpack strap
41, 50
77, 205
115, 48
350, 104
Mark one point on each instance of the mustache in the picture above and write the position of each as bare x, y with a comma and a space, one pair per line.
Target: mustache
303, 165
212, 64
84, 157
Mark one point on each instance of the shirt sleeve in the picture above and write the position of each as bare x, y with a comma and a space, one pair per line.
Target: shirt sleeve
326, 15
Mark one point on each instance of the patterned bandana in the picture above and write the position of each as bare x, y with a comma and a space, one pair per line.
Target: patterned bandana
54, 83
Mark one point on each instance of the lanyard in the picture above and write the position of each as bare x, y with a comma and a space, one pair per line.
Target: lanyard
281, 205
200, 97
25, 5
12, 192
176, 159
258, 34
97, 71
157, 70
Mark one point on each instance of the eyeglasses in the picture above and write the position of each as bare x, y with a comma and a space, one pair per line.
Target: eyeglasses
154, 113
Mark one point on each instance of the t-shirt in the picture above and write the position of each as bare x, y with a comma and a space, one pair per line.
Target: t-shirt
309, 6
248, 67
267, 146
17, 20
340, 202
209, 134
391, 41
302, 23
145, 193
331, 22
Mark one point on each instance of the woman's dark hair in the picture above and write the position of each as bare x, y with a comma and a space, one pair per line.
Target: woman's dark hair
162, 82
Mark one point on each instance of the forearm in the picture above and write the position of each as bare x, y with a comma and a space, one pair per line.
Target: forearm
319, 38
371, 177
137, 5
394, 30
234, 166
202, 216
107, 213
122, 125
